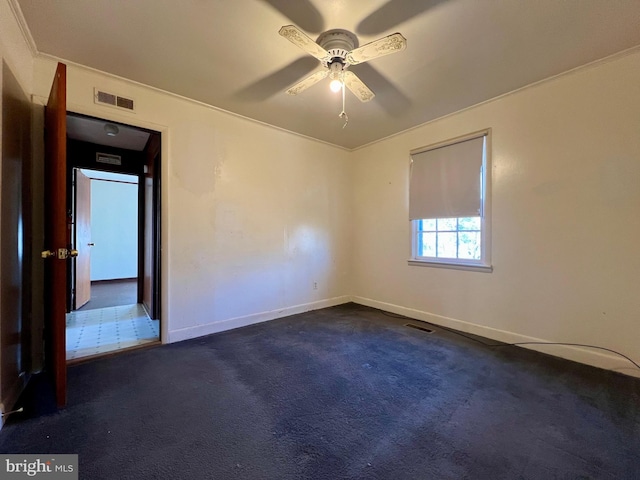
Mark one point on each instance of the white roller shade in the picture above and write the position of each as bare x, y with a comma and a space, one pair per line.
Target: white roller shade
445, 181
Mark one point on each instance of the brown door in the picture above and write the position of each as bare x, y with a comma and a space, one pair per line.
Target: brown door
57, 234
15, 219
83, 242
150, 228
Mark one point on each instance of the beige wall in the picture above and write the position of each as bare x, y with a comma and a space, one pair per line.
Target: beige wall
252, 216
566, 222
14, 49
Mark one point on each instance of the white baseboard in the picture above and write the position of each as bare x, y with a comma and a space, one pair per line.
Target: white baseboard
584, 355
236, 322
593, 357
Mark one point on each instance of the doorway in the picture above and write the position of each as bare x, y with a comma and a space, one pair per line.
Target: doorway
113, 193
105, 232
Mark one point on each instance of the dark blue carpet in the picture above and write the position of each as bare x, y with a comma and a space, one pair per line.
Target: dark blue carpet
341, 393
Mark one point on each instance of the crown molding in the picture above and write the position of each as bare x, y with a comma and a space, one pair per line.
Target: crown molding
22, 24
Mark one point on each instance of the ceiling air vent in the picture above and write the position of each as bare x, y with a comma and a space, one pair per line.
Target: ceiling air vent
113, 100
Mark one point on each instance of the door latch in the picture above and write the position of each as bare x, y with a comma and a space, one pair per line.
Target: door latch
61, 253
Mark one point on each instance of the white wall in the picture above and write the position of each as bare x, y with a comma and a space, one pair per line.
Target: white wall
566, 223
14, 49
114, 228
252, 216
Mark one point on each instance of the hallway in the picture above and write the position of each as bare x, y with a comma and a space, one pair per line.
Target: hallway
112, 293
103, 330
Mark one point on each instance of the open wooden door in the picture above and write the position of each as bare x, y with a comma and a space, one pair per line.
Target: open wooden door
57, 234
15, 238
150, 269
83, 244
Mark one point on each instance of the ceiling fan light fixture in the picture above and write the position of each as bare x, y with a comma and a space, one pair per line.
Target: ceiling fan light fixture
336, 74
335, 85
111, 129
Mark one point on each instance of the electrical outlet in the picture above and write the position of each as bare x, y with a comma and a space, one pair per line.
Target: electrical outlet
315, 285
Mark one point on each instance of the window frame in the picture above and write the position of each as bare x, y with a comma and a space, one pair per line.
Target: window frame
484, 263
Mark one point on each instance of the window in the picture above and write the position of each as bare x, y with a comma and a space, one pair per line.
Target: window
449, 204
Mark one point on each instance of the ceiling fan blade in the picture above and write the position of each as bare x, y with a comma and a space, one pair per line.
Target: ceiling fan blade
300, 39
384, 46
388, 96
392, 14
300, 12
308, 82
357, 87
273, 84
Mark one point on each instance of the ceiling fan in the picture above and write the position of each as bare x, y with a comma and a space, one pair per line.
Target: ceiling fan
337, 50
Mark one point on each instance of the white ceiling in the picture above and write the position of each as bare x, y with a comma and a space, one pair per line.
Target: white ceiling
92, 130
229, 54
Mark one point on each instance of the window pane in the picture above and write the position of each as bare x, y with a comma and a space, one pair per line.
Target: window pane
427, 244
447, 244
427, 224
469, 245
455, 238
469, 223
447, 224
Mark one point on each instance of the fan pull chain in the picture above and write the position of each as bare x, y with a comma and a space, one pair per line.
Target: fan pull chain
343, 114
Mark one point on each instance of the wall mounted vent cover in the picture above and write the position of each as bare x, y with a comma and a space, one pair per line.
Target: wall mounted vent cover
111, 99
108, 159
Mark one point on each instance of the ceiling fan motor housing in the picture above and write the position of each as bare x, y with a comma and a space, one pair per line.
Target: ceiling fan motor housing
338, 43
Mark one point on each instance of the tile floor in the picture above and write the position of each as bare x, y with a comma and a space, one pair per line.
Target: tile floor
103, 330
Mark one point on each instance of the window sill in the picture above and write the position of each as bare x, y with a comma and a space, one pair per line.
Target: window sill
454, 266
